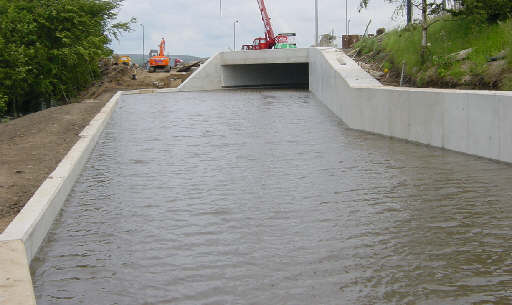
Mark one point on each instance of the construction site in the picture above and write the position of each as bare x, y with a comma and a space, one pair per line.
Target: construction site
273, 174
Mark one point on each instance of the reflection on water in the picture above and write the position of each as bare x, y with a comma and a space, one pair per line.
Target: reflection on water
265, 197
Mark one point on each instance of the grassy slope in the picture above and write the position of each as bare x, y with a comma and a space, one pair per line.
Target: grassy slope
446, 37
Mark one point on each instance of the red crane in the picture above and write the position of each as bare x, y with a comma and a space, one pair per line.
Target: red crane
270, 39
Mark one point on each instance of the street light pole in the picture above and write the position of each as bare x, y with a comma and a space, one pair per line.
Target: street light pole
316, 23
220, 8
234, 35
143, 46
346, 16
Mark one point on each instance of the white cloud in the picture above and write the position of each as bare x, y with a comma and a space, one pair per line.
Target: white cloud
195, 27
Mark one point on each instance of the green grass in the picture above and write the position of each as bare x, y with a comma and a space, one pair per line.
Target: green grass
447, 36
507, 83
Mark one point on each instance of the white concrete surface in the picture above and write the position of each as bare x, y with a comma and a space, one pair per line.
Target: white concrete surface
15, 280
207, 77
281, 56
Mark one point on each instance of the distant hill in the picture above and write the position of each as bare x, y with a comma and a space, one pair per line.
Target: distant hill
137, 58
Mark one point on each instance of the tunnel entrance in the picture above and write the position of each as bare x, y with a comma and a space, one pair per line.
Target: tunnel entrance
294, 75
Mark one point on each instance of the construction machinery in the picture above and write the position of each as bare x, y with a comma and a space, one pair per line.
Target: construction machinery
125, 60
270, 40
160, 61
286, 41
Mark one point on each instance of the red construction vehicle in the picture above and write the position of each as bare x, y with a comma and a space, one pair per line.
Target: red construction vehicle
160, 62
270, 39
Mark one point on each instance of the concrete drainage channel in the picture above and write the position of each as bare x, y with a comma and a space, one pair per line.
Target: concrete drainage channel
466, 121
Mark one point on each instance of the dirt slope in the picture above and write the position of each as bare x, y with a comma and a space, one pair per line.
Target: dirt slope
32, 146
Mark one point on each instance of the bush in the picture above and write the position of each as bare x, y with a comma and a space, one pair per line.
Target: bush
50, 49
489, 10
367, 45
3, 105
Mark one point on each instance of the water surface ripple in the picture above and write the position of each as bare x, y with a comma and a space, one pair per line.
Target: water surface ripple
265, 197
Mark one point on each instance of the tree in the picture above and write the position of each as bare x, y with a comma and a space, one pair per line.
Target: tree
485, 10
409, 11
428, 9
49, 49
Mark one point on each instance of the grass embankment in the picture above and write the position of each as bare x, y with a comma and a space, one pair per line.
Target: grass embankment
443, 67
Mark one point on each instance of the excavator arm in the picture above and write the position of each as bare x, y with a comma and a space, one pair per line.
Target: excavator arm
162, 48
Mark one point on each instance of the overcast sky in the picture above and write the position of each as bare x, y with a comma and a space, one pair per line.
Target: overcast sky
195, 27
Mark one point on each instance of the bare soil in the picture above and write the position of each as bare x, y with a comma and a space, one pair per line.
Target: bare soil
121, 77
32, 146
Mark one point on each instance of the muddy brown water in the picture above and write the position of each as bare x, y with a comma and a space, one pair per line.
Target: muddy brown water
265, 197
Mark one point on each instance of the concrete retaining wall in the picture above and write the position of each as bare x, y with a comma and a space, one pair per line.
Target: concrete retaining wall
207, 77
468, 121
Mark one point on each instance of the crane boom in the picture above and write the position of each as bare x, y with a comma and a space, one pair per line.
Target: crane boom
270, 40
269, 32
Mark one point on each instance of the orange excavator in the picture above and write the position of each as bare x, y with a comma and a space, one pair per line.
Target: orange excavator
160, 62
